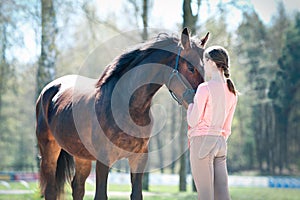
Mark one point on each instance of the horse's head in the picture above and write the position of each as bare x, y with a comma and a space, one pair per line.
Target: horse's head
188, 71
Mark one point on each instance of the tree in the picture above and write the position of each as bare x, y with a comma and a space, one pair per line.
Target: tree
46, 69
142, 8
183, 158
145, 19
190, 21
279, 26
276, 42
145, 37
4, 66
4, 69
46, 65
252, 51
144, 15
189, 18
12, 17
7, 21
284, 90
173, 128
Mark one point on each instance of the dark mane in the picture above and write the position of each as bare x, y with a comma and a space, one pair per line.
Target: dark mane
131, 58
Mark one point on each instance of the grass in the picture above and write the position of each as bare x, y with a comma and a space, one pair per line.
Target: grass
240, 193
122, 192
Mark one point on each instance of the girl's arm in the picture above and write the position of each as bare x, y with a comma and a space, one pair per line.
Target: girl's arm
228, 120
196, 110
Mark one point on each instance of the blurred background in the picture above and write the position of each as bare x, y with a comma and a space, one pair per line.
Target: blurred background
45, 39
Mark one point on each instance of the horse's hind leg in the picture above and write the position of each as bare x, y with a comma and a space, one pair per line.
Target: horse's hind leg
50, 151
82, 171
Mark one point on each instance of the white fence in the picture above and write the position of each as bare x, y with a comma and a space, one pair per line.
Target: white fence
234, 181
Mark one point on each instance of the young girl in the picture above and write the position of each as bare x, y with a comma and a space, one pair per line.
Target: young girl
209, 118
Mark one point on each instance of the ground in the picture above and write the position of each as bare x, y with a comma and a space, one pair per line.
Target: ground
23, 191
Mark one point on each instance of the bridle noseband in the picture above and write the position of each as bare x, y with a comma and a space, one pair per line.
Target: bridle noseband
175, 74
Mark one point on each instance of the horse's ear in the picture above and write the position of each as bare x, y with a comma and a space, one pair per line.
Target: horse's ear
185, 38
204, 40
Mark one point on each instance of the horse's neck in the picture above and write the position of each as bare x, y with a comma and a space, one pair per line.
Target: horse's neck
147, 79
134, 89
142, 98
140, 104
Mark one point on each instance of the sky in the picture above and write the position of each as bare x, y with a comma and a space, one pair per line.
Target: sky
166, 14
266, 8
169, 12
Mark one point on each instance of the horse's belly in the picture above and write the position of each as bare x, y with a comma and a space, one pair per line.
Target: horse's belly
79, 150
71, 136
73, 144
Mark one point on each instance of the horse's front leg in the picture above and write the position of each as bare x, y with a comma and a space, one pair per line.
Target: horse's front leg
137, 166
101, 181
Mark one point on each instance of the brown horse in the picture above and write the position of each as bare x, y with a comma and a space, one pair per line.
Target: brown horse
79, 120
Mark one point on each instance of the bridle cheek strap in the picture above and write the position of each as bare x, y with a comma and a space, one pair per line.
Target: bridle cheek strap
175, 74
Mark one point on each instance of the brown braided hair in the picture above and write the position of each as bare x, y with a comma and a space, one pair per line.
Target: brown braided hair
220, 56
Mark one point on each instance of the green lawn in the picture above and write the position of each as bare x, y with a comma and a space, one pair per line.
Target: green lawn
121, 192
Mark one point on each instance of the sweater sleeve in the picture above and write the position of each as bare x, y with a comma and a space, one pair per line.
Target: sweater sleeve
228, 120
196, 110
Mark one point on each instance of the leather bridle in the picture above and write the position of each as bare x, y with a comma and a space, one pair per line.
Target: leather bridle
175, 74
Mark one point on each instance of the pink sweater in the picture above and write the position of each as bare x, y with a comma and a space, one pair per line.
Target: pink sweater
212, 110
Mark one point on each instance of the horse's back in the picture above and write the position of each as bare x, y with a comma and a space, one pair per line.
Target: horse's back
70, 81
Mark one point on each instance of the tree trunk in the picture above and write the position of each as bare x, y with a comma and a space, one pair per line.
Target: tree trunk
281, 128
258, 136
270, 137
172, 130
3, 66
182, 171
146, 181
264, 136
145, 37
190, 19
145, 20
160, 155
46, 68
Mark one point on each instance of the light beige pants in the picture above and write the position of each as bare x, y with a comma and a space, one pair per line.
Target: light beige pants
208, 164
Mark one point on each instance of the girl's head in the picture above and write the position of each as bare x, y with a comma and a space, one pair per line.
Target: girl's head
217, 58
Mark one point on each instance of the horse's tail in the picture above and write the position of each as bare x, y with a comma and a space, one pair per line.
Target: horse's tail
46, 98
42, 108
64, 171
